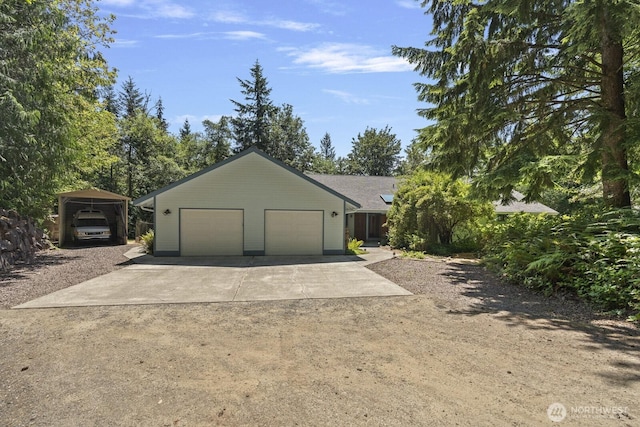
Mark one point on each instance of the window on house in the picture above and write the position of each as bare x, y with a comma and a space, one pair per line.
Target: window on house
388, 198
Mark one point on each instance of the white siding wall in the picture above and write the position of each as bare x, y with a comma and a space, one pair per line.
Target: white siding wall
251, 183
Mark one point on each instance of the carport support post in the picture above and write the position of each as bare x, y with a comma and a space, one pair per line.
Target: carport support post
125, 238
61, 221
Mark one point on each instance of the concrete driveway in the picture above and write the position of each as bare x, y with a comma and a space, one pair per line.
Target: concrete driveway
223, 279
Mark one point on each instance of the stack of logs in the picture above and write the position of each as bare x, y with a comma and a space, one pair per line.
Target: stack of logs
19, 239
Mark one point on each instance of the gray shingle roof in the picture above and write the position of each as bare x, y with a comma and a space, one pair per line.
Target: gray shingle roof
365, 190
518, 205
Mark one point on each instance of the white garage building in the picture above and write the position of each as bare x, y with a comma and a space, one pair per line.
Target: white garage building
249, 204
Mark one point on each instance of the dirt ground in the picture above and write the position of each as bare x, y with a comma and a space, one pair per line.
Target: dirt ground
458, 353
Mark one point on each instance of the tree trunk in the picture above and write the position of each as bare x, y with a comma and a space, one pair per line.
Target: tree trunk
129, 173
614, 153
446, 237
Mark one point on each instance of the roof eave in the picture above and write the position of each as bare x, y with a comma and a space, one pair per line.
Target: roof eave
144, 202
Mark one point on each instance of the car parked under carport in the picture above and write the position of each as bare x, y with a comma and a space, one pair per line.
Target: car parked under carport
114, 206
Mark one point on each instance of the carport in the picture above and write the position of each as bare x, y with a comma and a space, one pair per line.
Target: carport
114, 206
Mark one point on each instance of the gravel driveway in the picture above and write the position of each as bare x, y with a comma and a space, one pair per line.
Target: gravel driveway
465, 350
58, 269
455, 283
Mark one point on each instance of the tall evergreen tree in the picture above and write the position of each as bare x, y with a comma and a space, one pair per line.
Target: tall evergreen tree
252, 121
327, 150
325, 160
131, 99
164, 125
110, 100
190, 157
139, 140
522, 86
185, 130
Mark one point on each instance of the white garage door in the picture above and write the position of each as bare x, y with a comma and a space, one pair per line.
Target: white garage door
293, 232
207, 232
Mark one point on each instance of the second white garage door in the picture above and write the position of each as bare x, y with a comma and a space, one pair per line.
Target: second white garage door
293, 232
211, 232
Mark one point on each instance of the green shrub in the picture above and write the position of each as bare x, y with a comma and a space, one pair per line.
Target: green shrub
610, 270
592, 253
353, 247
147, 241
417, 243
512, 245
431, 208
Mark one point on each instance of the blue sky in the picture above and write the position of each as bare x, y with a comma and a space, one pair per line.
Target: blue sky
331, 60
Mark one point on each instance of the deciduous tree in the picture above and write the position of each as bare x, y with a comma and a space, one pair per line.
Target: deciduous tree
376, 152
288, 139
428, 208
50, 72
217, 139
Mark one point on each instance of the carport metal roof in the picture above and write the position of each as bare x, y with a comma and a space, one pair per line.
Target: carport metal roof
93, 193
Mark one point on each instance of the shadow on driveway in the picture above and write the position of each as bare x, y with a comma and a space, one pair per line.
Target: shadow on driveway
245, 261
470, 290
374, 254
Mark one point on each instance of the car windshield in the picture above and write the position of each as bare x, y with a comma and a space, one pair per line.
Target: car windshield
91, 222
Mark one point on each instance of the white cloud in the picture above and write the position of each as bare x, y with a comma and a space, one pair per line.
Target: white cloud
125, 43
230, 35
243, 35
171, 10
152, 8
234, 17
291, 25
342, 58
182, 36
229, 17
346, 97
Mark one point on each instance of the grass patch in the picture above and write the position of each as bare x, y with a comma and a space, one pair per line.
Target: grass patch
413, 254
